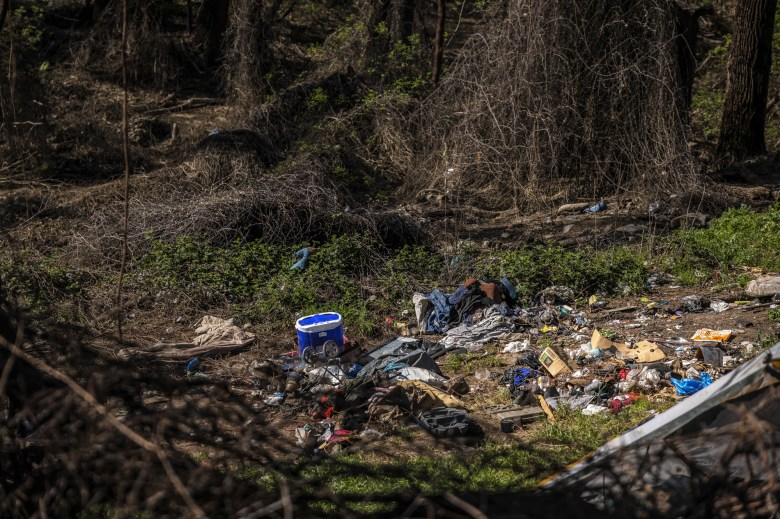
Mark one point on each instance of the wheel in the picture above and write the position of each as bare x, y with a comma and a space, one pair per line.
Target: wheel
331, 349
309, 355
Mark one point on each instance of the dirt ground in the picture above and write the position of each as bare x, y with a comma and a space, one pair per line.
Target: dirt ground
42, 210
626, 319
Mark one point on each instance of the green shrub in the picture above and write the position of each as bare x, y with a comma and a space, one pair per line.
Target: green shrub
39, 283
585, 271
741, 237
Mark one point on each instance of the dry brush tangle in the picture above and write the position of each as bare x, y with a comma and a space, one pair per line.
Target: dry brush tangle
577, 99
220, 195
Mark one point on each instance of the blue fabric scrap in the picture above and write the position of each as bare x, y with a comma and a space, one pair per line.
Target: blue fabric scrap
439, 318
301, 264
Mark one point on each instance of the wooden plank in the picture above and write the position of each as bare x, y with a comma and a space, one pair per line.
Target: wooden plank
546, 408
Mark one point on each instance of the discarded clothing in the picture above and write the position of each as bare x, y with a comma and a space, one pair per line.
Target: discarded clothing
425, 375
462, 291
421, 308
440, 316
417, 396
303, 254
214, 330
521, 376
493, 326
473, 299
509, 289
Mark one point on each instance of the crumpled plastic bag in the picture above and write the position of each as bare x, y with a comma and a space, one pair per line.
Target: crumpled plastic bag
689, 386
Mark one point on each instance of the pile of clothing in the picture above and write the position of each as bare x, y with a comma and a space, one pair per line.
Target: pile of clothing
437, 312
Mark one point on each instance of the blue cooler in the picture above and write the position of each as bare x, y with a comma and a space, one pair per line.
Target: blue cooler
316, 330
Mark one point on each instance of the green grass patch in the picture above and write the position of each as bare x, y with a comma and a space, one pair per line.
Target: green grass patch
368, 480
741, 237
365, 282
580, 434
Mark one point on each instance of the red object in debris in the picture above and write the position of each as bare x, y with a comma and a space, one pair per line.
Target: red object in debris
716, 275
389, 320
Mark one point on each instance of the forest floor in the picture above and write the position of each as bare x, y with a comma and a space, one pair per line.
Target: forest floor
53, 216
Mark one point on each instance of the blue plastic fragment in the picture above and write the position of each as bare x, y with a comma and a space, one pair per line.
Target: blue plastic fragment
689, 386
596, 208
354, 369
192, 365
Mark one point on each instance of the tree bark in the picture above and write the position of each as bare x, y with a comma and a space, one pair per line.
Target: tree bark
687, 29
97, 9
750, 61
3, 11
212, 22
126, 154
189, 16
405, 17
438, 42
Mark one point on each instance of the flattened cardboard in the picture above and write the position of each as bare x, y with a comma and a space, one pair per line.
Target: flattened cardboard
643, 351
599, 341
546, 408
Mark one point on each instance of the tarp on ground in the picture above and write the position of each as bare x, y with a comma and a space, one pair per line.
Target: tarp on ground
727, 432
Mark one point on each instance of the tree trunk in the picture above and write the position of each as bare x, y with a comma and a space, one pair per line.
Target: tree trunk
750, 61
438, 42
189, 16
687, 35
97, 9
405, 17
3, 11
212, 22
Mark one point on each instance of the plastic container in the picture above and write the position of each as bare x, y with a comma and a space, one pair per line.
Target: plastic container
315, 330
507, 425
444, 422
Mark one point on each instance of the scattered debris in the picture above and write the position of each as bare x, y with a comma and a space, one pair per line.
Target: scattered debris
215, 335
708, 335
766, 286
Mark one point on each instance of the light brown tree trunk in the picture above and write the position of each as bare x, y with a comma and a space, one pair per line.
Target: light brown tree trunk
126, 154
438, 42
750, 61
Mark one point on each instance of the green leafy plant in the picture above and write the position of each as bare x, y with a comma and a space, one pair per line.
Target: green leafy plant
741, 237
317, 99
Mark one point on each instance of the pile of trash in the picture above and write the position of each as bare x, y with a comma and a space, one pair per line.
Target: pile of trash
556, 358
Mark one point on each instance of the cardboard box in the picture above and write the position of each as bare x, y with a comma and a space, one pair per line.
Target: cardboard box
705, 334
553, 362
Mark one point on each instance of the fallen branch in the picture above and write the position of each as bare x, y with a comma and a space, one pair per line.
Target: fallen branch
173, 353
123, 429
196, 102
